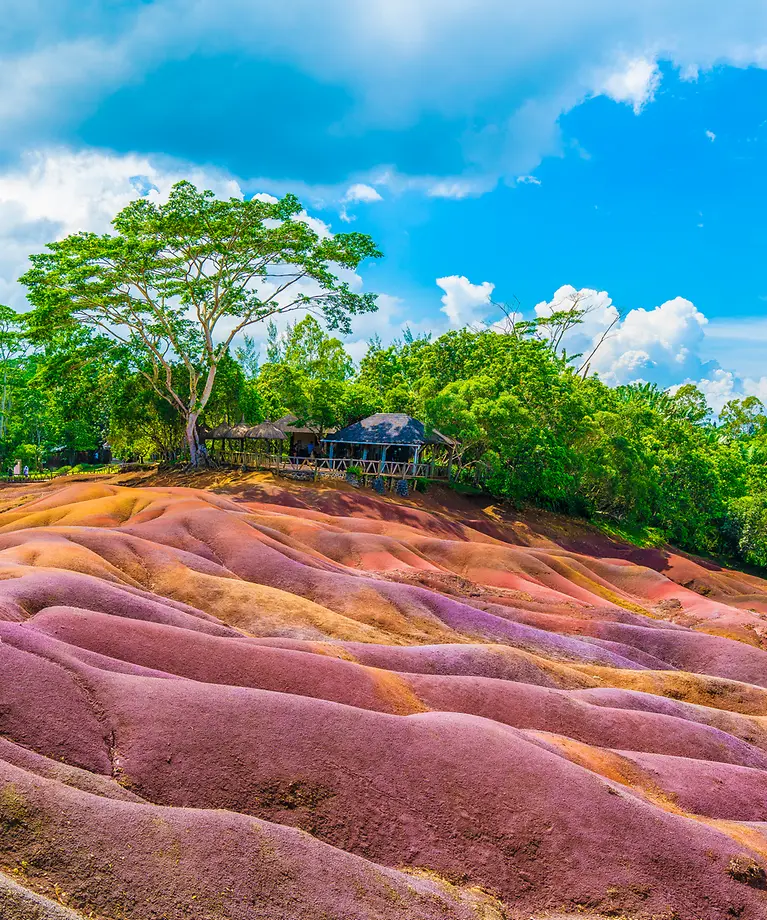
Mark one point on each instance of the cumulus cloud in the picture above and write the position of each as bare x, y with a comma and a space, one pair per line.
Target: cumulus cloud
599, 316
528, 180
359, 193
465, 303
395, 60
363, 193
667, 345
662, 344
721, 386
711, 136
635, 84
50, 195
83, 191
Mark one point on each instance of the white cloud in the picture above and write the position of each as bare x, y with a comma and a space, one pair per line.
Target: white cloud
721, 386
463, 302
399, 59
360, 192
711, 136
670, 344
662, 344
597, 307
51, 194
634, 84
455, 188
528, 180
319, 226
83, 191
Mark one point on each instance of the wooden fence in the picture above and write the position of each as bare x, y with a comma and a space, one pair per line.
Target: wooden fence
331, 468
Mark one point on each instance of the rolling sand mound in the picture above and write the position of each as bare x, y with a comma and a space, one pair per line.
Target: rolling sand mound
316, 703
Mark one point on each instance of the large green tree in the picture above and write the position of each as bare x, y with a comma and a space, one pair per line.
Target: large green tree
13, 348
176, 283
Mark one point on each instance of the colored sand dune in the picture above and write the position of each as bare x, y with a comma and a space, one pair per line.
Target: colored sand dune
315, 703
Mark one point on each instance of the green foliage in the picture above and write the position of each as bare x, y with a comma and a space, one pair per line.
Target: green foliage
176, 282
308, 375
131, 341
746, 528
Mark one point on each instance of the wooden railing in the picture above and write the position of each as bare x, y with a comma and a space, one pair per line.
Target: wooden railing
335, 467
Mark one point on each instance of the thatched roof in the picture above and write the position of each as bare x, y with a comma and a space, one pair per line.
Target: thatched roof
266, 431
220, 431
390, 428
287, 423
240, 430
291, 425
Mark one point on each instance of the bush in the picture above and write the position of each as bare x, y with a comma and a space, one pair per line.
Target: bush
62, 471
746, 870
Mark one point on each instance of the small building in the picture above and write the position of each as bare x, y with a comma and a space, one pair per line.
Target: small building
67, 456
391, 444
303, 440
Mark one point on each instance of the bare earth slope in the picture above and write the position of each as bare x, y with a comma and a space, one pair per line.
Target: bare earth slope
288, 702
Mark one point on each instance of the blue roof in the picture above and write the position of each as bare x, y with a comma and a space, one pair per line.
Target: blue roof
388, 428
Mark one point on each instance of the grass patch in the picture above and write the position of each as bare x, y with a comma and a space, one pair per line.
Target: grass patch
642, 536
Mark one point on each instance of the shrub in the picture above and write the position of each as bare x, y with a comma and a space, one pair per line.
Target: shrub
744, 869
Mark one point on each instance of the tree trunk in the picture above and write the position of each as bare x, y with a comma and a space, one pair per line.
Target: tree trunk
191, 439
197, 457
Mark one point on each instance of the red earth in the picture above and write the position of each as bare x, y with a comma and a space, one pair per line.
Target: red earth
261, 700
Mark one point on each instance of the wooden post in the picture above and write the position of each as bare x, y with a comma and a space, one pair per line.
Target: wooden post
330, 454
383, 460
415, 459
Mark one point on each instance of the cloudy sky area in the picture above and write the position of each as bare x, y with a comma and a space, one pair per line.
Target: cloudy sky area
494, 150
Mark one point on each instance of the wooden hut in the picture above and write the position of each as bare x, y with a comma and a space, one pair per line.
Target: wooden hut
391, 444
303, 440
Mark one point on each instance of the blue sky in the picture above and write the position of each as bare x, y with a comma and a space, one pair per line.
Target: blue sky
494, 150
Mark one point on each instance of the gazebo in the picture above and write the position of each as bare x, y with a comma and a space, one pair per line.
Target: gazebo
264, 431
390, 444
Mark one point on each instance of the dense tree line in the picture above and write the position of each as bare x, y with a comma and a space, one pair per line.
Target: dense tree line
136, 339
531, 430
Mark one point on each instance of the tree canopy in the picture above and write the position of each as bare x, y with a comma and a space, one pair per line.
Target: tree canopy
177, 282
